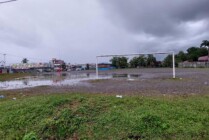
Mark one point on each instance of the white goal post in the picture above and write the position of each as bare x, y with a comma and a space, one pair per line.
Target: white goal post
172, 53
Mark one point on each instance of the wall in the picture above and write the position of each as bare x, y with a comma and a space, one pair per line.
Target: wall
193, 65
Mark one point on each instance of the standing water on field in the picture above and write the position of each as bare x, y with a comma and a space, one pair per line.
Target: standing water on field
47, 79
56, 79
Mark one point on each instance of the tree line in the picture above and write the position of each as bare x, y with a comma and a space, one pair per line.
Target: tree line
192, 54
139, 61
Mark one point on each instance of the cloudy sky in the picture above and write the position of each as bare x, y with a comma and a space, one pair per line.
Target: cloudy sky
79, 30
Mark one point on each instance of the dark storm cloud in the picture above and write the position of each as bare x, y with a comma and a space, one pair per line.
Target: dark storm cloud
158, 17
73, 30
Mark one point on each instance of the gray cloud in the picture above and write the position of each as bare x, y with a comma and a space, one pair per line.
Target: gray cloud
159, 17
79, 30
23, 39
74, 30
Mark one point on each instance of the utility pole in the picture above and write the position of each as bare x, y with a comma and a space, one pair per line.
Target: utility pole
4, 60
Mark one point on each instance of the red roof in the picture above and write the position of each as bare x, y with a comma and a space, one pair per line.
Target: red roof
203, 58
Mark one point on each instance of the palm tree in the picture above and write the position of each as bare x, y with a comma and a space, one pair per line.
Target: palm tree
205, 43
25, 60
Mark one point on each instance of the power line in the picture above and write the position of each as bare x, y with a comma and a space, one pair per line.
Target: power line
4, 59
12, 55
7, 1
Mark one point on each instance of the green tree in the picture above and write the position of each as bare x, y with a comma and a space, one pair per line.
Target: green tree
119, 62
181, 56
123, 62
142, 61
138, 61
167, 62
151, 60
194, 53
134, 62
205, 43
115, 62
25, 60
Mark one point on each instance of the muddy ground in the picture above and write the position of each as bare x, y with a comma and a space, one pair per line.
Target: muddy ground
151, 81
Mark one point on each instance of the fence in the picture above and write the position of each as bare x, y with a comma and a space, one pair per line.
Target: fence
193, 65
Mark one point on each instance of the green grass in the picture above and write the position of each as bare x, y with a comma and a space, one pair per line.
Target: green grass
6, 77
82, 116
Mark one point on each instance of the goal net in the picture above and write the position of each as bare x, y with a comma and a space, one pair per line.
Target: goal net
137, 54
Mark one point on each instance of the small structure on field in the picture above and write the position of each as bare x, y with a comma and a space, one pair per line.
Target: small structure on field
105, 66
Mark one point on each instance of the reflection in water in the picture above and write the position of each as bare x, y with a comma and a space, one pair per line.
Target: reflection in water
64, 74
120, 75
134, 75
57, 79
87, 75
48, 79
126, 76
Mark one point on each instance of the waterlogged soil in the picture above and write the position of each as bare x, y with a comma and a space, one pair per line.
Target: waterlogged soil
150, 81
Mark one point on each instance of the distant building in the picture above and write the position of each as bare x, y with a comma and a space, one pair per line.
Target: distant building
31, 67
58, 65
79, 67
3, 70
92, 66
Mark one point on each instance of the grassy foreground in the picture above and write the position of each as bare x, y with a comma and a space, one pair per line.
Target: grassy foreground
81, 116
6, 77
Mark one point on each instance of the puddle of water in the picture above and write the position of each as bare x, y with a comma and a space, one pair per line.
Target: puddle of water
53, 79
129, 76
58, 79
134, 75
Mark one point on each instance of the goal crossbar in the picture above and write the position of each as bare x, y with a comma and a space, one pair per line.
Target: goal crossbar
135, 54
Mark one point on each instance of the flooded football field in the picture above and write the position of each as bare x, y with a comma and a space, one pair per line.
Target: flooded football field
58, 79
124, 81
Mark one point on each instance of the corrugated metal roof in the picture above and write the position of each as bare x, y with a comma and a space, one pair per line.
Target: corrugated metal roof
203, 58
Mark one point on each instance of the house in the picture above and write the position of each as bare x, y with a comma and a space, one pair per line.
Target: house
79, 67
59, 65
203, 59
3, 70
92, 66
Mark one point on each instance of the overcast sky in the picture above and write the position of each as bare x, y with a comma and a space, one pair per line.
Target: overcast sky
79, 30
